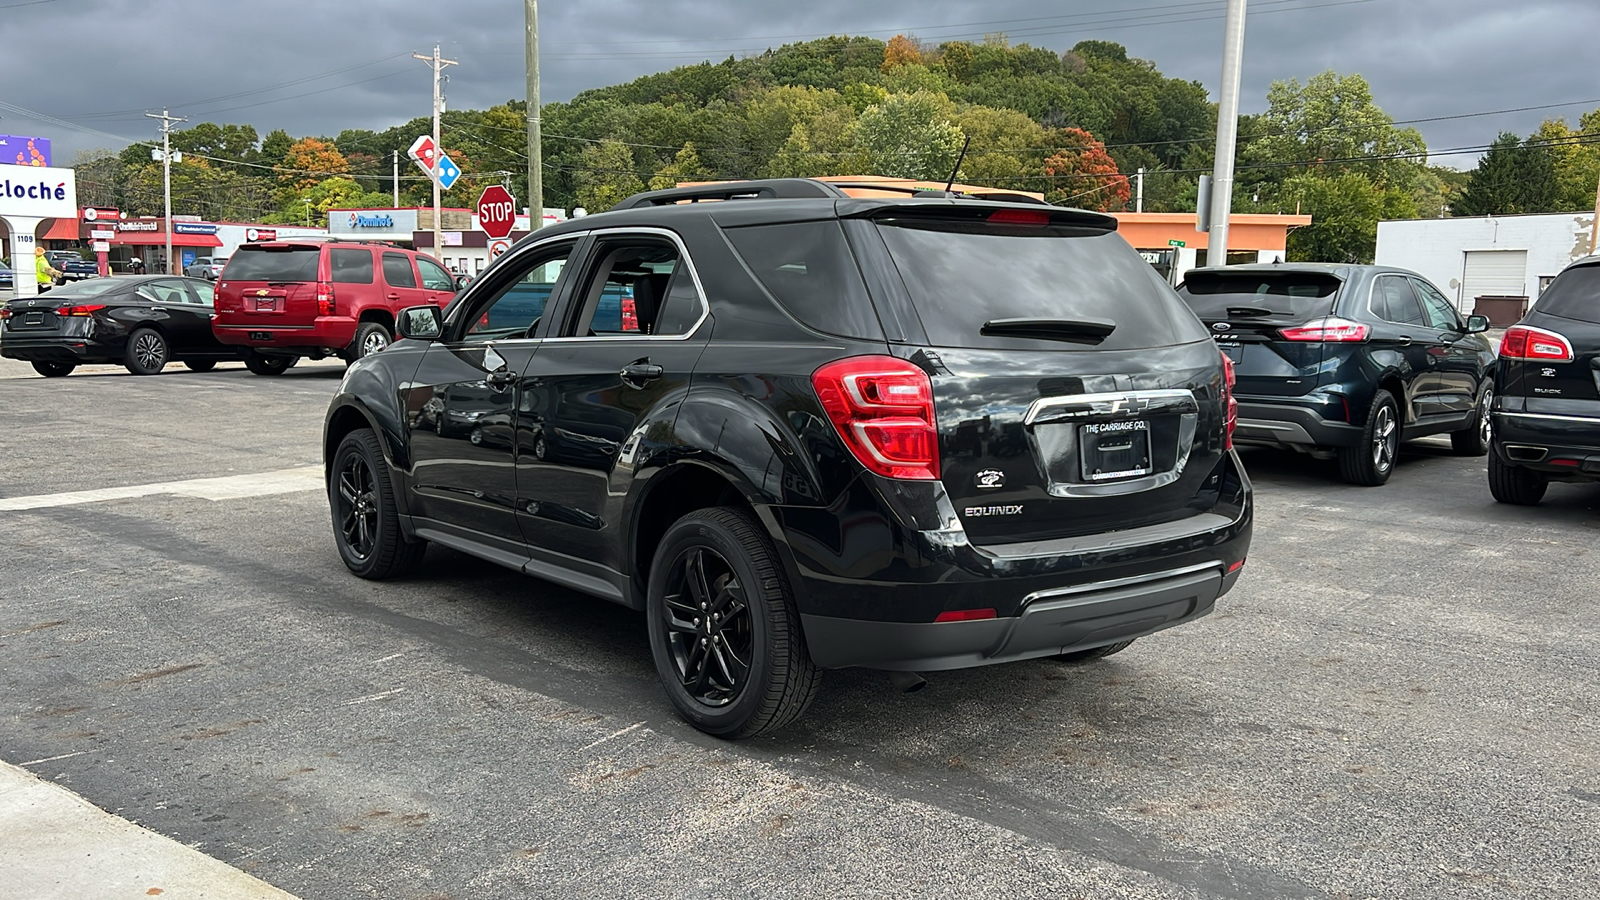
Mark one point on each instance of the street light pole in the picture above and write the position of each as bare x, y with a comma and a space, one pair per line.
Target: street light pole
166, 175
1227, 133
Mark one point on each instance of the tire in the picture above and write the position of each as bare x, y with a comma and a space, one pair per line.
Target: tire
262, 364
1371, 462
52, 369
1515, 484
722, 557
1474, 440
366, 520
147, 352
371, 338
200, 365
1078, 656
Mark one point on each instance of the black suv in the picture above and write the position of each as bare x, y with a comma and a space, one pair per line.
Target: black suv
1347, 361
905, 434
1547, 416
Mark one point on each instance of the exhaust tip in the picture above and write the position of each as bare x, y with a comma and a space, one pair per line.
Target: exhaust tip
907, 682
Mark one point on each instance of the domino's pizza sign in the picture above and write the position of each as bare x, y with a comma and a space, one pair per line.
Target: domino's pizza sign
379, 220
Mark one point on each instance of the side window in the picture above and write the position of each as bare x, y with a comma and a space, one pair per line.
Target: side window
205, 292
168, 292
637, 286
397, 270
433, 277
510, 307
1393, 299
1440, 313
351, 265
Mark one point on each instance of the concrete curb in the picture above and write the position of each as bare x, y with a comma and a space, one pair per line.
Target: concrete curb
59, 846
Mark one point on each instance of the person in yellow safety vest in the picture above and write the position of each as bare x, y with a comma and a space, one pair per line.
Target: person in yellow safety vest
46, 273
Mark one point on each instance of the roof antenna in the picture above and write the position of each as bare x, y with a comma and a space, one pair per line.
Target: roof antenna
964, 145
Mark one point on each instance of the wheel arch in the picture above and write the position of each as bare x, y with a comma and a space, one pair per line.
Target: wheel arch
348, 414
380, 315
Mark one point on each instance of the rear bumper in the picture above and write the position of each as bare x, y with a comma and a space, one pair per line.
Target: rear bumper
55, 348
874, 600
1292, 424
1536, 442
1049, 623
328, 332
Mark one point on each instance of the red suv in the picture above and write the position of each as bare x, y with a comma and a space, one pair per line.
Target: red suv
293, 298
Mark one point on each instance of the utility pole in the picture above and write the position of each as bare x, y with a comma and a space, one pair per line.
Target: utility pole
1594, 232
1227, 133
535, 154
396, 182
1138, 204
166, 174
438, 66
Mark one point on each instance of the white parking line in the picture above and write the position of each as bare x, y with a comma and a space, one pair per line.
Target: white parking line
229, 487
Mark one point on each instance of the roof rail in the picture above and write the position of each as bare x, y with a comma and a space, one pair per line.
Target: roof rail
763, 189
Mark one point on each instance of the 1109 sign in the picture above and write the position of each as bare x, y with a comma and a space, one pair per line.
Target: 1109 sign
497, 211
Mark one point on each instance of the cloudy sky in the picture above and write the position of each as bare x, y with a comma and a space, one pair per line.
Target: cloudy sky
93, 67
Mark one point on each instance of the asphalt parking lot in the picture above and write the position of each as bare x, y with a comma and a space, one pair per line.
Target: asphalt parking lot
1396, 701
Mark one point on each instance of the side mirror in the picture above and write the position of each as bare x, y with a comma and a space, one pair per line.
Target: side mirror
1477, 324
461, 281
420, 323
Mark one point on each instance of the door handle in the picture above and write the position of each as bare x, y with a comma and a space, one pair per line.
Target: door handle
636, 374
1405, 340
394, 296
501, 378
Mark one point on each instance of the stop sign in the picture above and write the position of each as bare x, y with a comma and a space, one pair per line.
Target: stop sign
497, 211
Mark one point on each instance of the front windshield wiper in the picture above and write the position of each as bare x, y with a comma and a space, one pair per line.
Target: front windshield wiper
1073, 331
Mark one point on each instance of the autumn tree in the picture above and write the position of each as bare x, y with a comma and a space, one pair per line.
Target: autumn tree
1082, 174
901, 51
311, 160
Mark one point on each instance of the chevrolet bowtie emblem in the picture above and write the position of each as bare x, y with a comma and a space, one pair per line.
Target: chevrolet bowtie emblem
261, 293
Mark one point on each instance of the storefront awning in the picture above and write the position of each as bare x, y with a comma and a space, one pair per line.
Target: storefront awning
159, 239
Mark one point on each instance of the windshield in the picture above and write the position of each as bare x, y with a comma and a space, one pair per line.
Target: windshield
960, 277
293, 264
1575, 294
1298, 295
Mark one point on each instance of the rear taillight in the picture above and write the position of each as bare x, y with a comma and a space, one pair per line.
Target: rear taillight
1330, 329
1228, 381
5, 312
324, 299
630, 315
1524, 342
86, 310
882, 408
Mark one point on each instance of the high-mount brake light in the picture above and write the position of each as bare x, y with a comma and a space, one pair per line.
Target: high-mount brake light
1527, 342
1330, 330
1030, 217
882, 408
88, 309
1229, 379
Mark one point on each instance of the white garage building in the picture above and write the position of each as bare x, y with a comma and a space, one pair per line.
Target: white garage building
1487, 256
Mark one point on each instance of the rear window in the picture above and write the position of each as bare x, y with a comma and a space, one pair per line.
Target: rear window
1296, 295
959, 278
808, 267
1575, 294
89, 288
298, 264
350, 265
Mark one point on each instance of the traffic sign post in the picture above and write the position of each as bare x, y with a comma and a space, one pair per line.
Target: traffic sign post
497, 211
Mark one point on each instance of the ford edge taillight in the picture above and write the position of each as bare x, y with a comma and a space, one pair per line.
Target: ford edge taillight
1329, 329
882, 408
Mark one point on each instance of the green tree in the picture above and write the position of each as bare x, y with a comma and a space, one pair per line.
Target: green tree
1575, 156
1513, 177
685, 166
608, 176
909, 136
1332, 122
1345, 209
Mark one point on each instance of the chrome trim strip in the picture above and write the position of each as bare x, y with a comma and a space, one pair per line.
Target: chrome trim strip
1109, 403
1587, 420
1098, 586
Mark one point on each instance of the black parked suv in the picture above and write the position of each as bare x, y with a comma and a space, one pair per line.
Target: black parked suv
1547, 415
905, 434
1347, 361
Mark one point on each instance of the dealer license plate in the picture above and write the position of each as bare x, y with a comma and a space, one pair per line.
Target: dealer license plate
1113, 450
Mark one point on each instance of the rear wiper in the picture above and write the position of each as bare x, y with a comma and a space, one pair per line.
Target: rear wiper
1248, 312
1074, 331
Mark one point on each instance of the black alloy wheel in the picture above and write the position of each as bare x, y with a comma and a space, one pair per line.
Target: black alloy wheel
1515, 484
723, 630
200, 365
366, 522
52, 369
262, 364
147, 352
1371, 461
1474, 439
